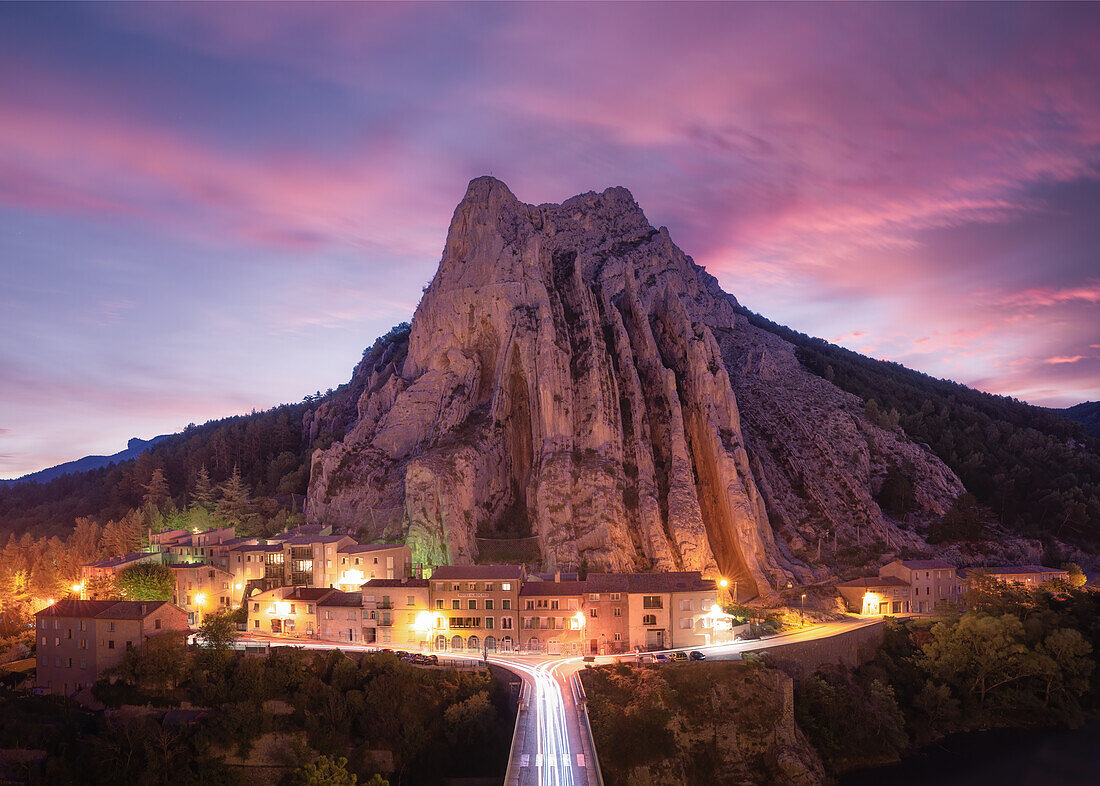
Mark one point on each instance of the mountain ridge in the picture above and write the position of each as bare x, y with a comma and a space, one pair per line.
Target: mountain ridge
134, 447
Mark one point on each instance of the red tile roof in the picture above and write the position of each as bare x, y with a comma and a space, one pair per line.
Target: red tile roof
874, 581
338, 598
478, 572
104, 609
359, 548
926, 564
391, 583
554, 588
685, 581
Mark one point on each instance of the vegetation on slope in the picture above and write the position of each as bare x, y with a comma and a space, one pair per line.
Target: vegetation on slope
366, 714
1038, 472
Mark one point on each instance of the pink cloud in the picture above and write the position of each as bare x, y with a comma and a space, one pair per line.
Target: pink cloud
1064, 359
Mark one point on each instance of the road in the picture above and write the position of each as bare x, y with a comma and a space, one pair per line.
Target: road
552, 744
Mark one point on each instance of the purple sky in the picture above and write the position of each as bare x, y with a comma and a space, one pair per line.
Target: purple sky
207, 208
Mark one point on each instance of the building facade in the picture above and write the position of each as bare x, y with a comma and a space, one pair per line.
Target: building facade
932, 582
286, 611
479, 604
397, 613
202, 589
361, 563
77, 640
551, 618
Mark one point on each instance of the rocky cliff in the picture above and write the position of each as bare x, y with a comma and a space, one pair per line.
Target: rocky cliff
571, 376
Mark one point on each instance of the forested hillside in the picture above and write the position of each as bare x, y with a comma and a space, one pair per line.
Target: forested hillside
1087, 414
1037, 471
269, 451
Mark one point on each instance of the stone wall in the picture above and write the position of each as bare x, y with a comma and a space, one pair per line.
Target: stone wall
851, 648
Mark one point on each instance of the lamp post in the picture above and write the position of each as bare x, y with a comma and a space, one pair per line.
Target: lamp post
802, 614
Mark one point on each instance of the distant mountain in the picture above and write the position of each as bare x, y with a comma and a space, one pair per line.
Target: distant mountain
134, 448
1087, 414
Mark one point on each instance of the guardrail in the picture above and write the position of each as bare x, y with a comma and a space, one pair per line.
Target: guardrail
581, 700
511, 774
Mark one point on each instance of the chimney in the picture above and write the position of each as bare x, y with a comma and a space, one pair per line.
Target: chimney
557, 575
143, 609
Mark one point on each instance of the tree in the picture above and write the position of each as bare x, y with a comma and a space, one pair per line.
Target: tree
147, 581
156, 490
235, 506
161, 663
203, 494
123, 537
896, 496
219, 631
324, 771
1077, 577
962, 522
85, 544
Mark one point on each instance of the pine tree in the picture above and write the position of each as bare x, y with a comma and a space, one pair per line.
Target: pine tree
204, 495
235, 505
156, 490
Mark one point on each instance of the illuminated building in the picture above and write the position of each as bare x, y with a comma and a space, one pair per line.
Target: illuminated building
77, 640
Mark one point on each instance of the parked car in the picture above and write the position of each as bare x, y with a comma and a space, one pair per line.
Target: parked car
678, 656
661, 657
696, 655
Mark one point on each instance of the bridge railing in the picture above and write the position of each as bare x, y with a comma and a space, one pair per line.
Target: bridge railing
582, 710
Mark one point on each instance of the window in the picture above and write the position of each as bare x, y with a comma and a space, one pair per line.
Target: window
309, 608
618, 637
411, 601
456, 587
111, 625
652, 602
83, 624
594, 596
554, 605
256, 608
488, 623
505, 623
530, 605
685, 605
649, 619
592, 613
615, 596
439, 603
473, 605
617, 611
328, 615
506, 587
489, 587
506, 604
111, 644
456, 605
293, 608
255, 623
488, 604
685, 623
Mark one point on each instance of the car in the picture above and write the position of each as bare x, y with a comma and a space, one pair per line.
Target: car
660, 657
589, 658
696, 655
678, 656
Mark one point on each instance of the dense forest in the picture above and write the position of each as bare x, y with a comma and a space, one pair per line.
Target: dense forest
279, 718
1036, 470
269, 451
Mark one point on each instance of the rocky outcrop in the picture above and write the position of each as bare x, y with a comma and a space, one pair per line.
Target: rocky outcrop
572, 377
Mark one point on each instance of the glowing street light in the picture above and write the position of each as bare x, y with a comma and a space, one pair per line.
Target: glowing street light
578, 621
802, 617
870, 600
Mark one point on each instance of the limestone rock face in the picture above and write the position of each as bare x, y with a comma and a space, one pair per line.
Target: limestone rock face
572, 377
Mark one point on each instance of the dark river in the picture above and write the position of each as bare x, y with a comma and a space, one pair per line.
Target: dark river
1004, 757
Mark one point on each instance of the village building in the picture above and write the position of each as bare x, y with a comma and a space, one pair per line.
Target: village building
202, 589
286, 611
97, 577
550, 617
77, 640
397, 613
312, 560
1028, 575
340, 616
932, 582
257, 567
479, 603
876, 595
360, 563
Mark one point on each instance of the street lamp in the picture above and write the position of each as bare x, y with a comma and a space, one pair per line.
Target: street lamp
802, 617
